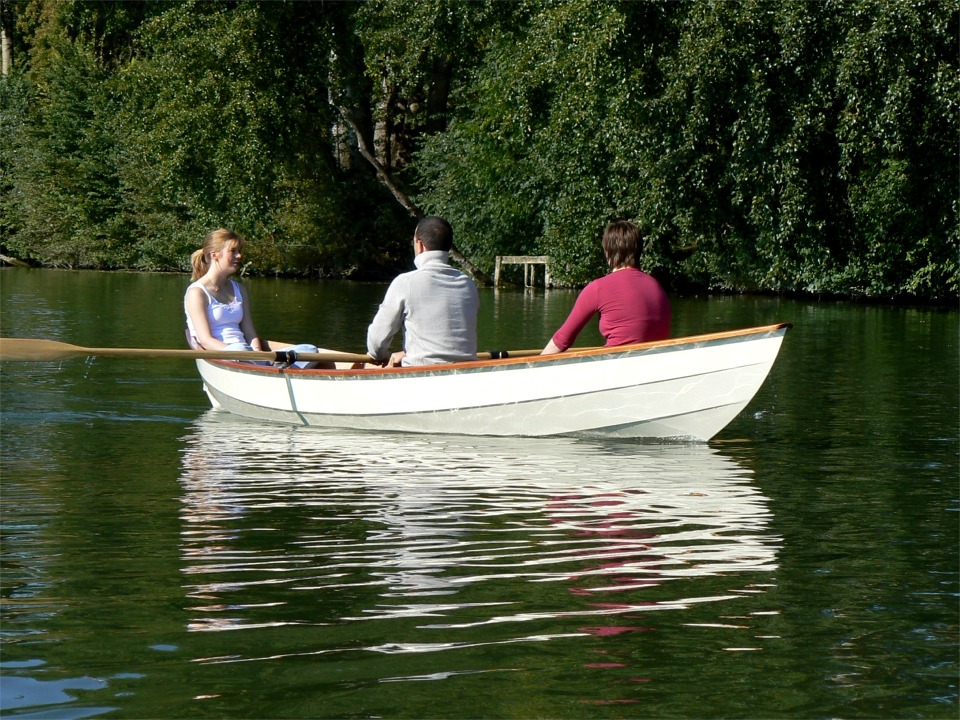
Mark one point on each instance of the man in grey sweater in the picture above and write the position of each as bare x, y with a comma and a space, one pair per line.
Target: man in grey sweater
436, 305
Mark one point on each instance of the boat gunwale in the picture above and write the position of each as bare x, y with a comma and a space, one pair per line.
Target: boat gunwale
570, 354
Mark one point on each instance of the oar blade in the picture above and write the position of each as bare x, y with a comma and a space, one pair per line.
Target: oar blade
36, 350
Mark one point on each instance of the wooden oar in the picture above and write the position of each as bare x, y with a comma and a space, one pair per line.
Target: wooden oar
38, 350
35, 350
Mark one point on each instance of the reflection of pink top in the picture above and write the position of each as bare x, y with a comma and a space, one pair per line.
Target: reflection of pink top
633, 308
224, 318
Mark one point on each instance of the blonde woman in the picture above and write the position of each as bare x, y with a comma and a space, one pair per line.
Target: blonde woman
217, 306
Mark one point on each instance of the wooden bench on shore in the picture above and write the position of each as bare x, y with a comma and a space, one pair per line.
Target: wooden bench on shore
529, 263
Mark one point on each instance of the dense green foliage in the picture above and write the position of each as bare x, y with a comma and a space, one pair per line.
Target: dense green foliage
773, 146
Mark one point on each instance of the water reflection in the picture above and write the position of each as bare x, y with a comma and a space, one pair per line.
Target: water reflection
434, 537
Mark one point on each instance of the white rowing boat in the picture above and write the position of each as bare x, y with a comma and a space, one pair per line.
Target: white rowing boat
679, 389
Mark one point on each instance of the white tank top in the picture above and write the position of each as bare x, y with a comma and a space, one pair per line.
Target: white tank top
224, 318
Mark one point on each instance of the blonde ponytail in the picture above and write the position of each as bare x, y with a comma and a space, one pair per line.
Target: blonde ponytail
199, 263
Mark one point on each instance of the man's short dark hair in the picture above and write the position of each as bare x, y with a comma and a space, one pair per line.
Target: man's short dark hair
435, 233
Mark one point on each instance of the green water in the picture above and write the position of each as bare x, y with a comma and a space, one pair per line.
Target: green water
160, 560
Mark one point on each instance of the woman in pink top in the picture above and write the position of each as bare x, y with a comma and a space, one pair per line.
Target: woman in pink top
633, 307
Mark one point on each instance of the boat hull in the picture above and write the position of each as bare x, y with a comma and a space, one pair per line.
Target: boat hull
680, 389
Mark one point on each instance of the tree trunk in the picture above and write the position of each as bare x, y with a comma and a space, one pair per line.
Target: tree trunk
5, 46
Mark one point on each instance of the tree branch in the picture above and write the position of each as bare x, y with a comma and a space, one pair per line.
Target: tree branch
382, 173
401, 197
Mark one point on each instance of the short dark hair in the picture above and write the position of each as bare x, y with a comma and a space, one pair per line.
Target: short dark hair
621, 244
435, 233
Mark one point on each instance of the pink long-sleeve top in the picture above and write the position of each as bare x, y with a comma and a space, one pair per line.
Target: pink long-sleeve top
633, 308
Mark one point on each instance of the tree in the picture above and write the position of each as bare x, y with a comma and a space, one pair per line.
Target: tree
726, 131
63, 193
408, 84
542, 147
6, 38
799, 148
897, 129
778, 147
65, 182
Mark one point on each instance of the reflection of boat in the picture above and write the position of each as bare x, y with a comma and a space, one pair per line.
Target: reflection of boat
442, 527
684, 388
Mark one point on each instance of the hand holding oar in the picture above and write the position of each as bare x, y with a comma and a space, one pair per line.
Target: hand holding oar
36, 350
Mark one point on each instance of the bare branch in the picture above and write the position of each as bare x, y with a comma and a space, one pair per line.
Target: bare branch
382, 173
